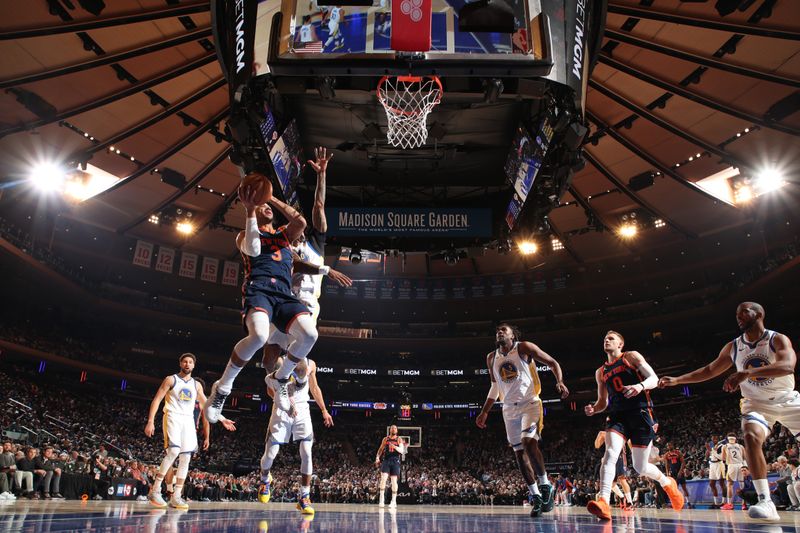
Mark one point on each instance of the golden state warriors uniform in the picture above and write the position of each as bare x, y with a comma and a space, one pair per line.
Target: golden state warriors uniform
765, 400
632, 418
734, 454
519, 386
178, 422
268, 282
282, 426
716, 467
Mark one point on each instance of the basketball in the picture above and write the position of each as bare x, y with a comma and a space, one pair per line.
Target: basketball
258, 183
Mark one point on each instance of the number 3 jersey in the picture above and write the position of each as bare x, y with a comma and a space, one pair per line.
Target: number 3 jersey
747, 355
273, 265
618, 374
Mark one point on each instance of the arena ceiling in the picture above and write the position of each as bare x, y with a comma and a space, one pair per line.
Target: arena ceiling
679, 91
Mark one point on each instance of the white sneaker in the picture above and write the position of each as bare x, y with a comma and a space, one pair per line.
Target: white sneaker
178, 503
393, 504
282, 394
5, 496
214, 404
764, 510
381, 503
157, 500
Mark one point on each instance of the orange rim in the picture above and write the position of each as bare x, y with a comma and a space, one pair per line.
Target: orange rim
407, 79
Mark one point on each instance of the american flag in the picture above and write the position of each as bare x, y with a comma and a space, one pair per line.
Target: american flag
314, 47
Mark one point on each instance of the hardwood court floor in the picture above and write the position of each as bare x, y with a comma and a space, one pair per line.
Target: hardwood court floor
23, 516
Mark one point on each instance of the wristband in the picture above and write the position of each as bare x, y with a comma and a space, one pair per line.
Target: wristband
324, 270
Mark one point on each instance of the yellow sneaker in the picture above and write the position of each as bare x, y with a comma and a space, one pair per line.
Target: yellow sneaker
263, 490
304, 505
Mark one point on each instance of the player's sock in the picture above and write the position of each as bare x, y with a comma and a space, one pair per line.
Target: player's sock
616, 490
533, 488
762, 489
178, 491
628, 498
543, 479
716, 500
305, 491
728, 499
156, 488
171, 486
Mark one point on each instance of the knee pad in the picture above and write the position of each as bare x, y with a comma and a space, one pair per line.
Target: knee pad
171, 455
306, 465
304, 335
183, 465
394, 484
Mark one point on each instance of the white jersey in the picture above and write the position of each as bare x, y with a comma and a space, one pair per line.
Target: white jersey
335, 15
715, 455
753, 355
181, 397
518, 379
734, 454
305, 33
306, 287
298, 396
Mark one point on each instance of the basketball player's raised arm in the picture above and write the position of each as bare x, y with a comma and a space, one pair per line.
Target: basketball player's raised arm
541, 356
602, 396
649, 379
297, 222
494, 393
316, 393
785, 361
150, 427
304, 267
713, 369
320, 165
249, 241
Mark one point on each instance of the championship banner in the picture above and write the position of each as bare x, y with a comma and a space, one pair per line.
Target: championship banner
210, 269
166, 260
233, 23
409, 222
143, 255
230, 273
188, 265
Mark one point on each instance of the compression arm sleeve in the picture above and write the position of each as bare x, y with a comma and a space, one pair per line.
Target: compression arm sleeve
251, 243
651, 381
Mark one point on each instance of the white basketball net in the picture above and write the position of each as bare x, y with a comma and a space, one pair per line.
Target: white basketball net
408, 100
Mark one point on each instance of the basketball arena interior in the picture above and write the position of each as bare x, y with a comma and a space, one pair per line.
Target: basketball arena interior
389, 266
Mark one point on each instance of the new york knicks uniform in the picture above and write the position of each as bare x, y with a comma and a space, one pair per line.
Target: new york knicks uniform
519, 386
734, 455
391, 457
765, 400
716, 467
282, 426
632, 418
178, 422
268, 281
306, 287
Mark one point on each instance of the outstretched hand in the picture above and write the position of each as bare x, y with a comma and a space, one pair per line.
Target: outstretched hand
321, 158
342, 279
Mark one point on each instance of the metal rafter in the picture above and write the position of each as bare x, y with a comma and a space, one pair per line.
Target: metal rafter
133, 130
180, 192
107, 22
694, 97
713, 24
171, 151
645, 156
700, 60
588, 208
108, 59
133, 89
232, 197
675, 130
630, 193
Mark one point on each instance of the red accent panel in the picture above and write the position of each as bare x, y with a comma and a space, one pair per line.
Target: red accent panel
411, 25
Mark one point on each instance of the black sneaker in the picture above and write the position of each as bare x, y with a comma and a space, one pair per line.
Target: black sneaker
547, 497
536, 504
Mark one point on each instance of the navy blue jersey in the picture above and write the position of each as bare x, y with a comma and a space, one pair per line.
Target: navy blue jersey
390, 451
273, 264
617, 375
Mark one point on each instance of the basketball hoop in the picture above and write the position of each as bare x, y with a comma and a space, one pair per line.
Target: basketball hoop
408, 100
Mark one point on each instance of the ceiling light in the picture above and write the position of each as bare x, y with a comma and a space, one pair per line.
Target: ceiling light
153, 219
527, 247
743, 194
659, 223
47, 177
628, 231
769, 179
187, 228
557, 245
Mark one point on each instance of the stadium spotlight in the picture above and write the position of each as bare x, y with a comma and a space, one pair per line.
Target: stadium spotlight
154, 219
628, 230
659, 223
186, 228
556, 244
743, 194
355, 256
527, 247
47, 177
769, 179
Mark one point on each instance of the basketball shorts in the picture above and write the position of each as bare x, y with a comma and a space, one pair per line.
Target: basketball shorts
523, 421
180, 432
281, 308
621, 467
637, 425
735, 473
283, 428
716, 470
284, 339
764, 413
333, 29
391, 466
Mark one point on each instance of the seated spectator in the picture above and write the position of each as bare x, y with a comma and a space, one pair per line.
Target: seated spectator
8, 468
748, 490
26, 471
51, 480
